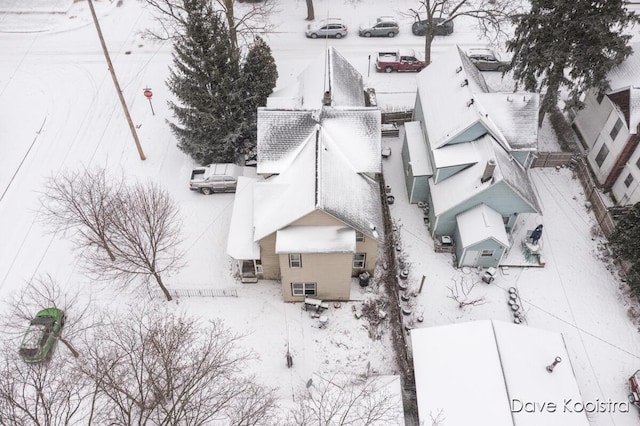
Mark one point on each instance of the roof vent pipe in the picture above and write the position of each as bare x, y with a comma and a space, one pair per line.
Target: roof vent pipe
326, 99
464, 82
488, 171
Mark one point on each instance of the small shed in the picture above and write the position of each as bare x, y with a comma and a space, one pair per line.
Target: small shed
480, 238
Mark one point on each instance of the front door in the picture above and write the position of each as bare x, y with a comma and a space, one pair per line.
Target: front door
470, 258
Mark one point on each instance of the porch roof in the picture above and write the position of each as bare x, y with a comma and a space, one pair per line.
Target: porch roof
240, 243
417, 146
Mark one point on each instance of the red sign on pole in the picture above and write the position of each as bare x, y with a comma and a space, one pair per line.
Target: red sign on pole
148, 93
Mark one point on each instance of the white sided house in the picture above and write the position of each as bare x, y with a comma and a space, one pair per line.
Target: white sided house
466, 157
608, 128
315, 220
494, 373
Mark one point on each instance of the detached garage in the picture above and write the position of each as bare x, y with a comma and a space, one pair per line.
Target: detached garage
484, 372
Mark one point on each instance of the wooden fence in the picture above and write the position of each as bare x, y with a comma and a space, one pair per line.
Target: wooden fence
600, 209
583, 172
204, 292
552, 159
397, 117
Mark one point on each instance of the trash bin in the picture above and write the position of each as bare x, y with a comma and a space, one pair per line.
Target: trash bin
364, 279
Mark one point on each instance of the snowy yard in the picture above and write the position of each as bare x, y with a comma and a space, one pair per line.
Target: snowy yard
58, 111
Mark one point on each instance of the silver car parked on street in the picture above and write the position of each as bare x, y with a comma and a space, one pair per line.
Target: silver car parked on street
385, 26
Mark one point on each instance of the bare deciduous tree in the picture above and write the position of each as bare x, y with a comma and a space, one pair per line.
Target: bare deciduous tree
494, 16
347, 400
45, 394
144, 235
137, 226
81, 201
460, 292
244, 22
155, 367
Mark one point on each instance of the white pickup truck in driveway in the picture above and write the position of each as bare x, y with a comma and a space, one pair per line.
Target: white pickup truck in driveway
218, 177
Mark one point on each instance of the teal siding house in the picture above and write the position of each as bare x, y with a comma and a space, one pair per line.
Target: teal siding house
466, 157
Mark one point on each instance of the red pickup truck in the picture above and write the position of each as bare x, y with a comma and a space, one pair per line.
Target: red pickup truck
401, 60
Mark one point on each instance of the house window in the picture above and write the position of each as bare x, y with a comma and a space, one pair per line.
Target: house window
487, 253
359, 259
616, 129
258, 266
638, 163
628, 180
359, 237
604, 151
303, 289
600, 96
295, 260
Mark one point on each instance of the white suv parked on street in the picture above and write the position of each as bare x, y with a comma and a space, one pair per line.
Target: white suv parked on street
331, 27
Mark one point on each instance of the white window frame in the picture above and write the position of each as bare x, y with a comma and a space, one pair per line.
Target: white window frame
304, 289
359, 237
295, 260
487, 252
359, 263
258, 264
629, 180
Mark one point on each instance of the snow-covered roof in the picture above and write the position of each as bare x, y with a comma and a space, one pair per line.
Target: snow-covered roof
316, 239
328, 72
281, 133
466, 184
512, 118
282, 199
627, 74
417, 146
240, 243
322, 157
324, 173
445, 91
454, 155
475, 370
454, 96
480, 223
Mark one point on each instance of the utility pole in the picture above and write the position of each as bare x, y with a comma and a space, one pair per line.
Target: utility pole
115, 81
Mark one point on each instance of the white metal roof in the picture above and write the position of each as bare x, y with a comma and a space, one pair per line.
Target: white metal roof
472, 372
417, 146
240, 243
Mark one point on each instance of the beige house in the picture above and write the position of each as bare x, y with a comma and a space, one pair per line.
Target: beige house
314, 220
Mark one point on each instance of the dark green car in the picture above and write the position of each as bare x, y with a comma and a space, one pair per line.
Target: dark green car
41, 336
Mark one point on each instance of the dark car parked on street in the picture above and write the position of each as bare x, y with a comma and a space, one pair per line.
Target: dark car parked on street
441, 28
385, 26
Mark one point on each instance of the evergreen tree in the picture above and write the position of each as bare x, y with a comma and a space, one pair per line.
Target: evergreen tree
625, 240
571, 44
205, 79
260, 74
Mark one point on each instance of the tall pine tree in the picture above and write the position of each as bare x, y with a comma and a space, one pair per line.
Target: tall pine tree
205, 79
571, 44
260, 74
